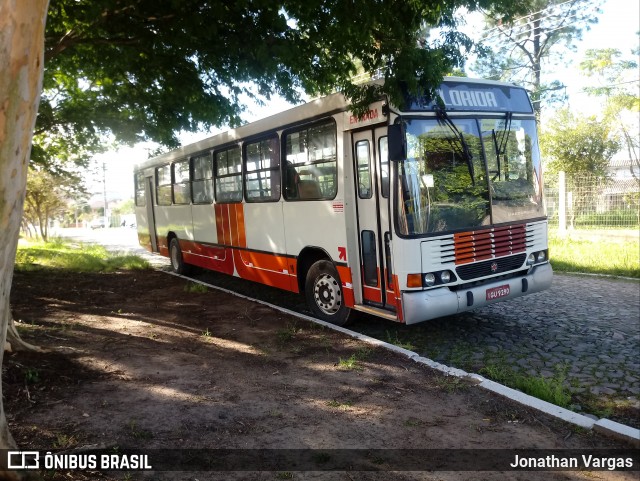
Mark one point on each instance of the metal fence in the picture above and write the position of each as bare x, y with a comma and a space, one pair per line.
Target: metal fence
592, 203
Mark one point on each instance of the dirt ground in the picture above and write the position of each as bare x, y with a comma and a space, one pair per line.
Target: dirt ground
139, 360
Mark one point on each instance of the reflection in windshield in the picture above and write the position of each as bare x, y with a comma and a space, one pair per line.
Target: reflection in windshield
513, 163
436, 190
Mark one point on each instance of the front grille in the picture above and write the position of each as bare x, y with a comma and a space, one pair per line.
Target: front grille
489, 243
483, 269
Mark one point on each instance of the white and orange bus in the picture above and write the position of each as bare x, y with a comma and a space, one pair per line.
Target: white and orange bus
409, 212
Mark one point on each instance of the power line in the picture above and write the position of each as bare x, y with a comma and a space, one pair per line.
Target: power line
514, 30
550, 7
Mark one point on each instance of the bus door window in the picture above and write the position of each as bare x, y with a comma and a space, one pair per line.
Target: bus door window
369, 258
383, 153
363, 163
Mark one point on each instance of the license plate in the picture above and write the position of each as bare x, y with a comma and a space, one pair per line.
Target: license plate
498, 292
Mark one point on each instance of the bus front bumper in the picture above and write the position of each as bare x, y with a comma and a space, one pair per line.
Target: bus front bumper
419, 306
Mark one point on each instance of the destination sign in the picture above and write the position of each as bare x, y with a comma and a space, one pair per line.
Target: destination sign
460, 96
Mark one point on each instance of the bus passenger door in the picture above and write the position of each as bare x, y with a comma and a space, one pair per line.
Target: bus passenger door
371, 168
151, 218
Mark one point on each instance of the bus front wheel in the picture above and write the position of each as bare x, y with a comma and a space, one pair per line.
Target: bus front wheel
323, 292
175, 254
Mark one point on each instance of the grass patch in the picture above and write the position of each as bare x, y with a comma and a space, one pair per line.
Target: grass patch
412, 423
392, 338
31, 375
136, 432
196, 288
339, 405
75, 257
550, 389
451, 384
353, 361
595, 257
286, 334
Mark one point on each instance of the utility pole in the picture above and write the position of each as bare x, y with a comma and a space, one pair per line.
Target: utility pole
104, 193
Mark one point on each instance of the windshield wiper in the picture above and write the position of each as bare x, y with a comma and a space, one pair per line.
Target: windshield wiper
501, 146
444, 118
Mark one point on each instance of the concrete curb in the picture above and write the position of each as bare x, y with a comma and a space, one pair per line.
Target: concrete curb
603, 425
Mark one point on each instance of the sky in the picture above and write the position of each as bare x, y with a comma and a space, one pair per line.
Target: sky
616, 28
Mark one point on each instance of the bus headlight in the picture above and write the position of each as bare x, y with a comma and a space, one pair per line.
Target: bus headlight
434, 279
429, 279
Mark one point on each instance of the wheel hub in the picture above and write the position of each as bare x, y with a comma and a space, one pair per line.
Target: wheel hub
327, 294
174, 257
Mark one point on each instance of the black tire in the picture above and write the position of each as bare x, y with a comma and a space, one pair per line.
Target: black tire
323, 292
175, 255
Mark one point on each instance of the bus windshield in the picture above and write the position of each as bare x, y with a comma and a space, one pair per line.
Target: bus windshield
467, 173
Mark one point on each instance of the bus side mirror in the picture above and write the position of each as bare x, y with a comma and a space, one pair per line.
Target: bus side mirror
397, 142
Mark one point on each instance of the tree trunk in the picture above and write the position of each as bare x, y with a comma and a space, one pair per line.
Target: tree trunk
21, 56
14, 342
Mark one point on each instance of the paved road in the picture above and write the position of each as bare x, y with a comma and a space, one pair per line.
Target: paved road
585, 328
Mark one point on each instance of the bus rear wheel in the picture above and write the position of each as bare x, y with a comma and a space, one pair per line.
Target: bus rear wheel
323, 292
175, 254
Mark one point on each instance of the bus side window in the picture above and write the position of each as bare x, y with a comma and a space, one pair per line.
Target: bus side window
262, 170
181, 185
163, 185
202, 179
311, 169
291, 180
141, 201
228, 180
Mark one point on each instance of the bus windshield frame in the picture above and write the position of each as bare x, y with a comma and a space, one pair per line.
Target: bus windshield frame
466, 173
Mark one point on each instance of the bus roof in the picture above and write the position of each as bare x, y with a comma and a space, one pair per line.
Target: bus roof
314, 109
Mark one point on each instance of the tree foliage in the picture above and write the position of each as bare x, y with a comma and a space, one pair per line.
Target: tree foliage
617, 79
578, 145
147, 69
47, 196
524, 49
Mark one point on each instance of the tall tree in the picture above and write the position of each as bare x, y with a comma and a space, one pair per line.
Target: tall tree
47, 196
21, 57
525, 49
146, 69
617, 83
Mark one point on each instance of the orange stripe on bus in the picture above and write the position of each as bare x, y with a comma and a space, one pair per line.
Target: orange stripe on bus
219, 223
265, 261
240, 230
268, 277
396, 288
233, 227
347, 291
372, 294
